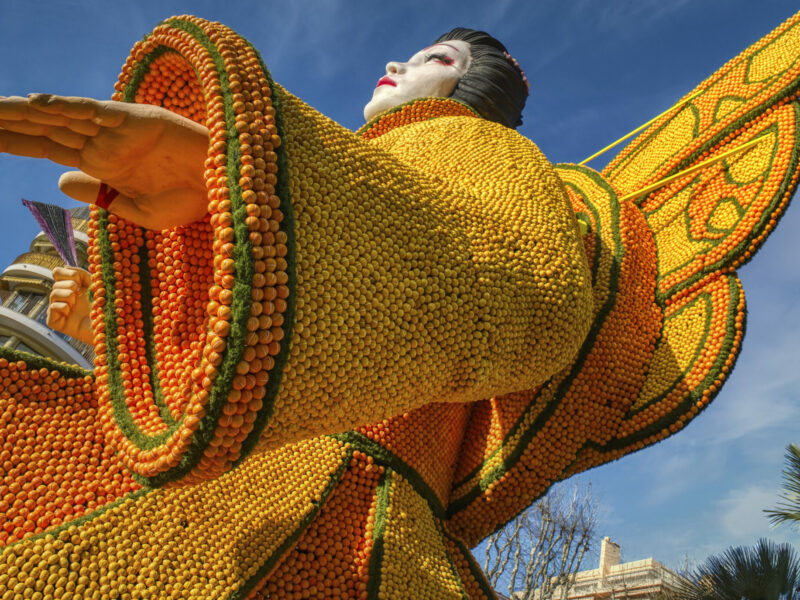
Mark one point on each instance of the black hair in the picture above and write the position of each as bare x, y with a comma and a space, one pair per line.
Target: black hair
494, 85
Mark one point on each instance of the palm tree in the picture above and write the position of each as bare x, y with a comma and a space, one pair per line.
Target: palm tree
768, 571
789, 509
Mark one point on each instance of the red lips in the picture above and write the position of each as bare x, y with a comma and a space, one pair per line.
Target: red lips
385, 80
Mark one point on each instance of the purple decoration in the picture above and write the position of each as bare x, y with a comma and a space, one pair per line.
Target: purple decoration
56, 223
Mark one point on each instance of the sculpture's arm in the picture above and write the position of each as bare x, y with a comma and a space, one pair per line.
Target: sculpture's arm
151, 156
333, 284
413, 288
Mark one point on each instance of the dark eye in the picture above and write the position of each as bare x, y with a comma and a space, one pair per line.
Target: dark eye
440, 58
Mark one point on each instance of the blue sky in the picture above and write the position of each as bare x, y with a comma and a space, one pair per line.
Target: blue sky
597, 70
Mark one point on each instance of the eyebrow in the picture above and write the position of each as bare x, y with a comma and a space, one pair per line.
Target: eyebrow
442, 44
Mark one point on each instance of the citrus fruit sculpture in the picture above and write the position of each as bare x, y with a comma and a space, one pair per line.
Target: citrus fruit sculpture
377, 348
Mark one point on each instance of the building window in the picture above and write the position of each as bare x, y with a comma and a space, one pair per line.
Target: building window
42, 318
24, 302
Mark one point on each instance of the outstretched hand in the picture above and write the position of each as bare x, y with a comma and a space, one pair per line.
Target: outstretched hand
68, 311
151, 156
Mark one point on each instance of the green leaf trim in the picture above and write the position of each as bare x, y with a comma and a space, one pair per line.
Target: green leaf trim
706, 298
244, 269
77, 522
149, 341
141, 69
442, 535
279, 553
719, 137
751, 57
773, 211
778, 97
34, 361
120, 409
240, 306
734, 202
287, 225
728, 350
389, 459
736, 98
378, 531
585, 218
474, 569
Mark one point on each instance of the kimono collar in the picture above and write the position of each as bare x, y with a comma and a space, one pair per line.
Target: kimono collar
414, 112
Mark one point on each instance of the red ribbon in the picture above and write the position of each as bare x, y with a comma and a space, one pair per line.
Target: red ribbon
105, 196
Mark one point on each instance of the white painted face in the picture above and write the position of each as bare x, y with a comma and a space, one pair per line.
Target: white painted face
433, 71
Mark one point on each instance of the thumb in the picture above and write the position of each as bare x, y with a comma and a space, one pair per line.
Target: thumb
84, 188
80, 186
56, 317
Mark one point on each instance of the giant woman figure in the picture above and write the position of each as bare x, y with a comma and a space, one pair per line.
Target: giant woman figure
329, 363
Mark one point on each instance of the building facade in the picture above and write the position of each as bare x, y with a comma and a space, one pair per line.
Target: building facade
24, 291
645, 579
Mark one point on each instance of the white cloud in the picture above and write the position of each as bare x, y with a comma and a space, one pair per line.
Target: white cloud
495, 14
748, 414
681, 470
621, 15
742, 512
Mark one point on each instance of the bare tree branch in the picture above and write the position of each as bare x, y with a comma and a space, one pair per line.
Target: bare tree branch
541, 551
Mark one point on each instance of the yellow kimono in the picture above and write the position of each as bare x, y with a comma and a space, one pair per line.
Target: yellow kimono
290, 397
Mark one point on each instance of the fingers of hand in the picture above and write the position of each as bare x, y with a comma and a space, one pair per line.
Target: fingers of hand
64, 295
16, 108
38, 147
56, 318
63, 276
18, 111
87, 128
59, 310
84, 278
62, 135
68, 106
107, 114
63, 273
69, 285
